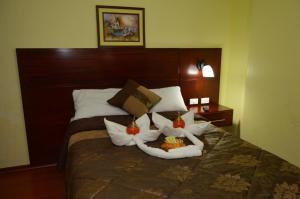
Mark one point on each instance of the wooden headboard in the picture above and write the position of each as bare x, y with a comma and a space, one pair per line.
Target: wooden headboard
48, 77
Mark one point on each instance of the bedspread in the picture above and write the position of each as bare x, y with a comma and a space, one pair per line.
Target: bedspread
228, 168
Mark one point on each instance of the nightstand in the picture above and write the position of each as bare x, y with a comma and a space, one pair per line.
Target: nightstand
219, 115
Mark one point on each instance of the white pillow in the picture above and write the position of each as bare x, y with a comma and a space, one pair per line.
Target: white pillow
93, 102
171, 99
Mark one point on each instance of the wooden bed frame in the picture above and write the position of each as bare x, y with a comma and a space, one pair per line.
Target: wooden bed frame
48, 77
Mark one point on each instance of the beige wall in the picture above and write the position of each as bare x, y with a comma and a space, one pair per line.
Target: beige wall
268, 102
66, 23
235, 66
260, 48
271, 112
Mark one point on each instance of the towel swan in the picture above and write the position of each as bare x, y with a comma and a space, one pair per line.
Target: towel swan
119, 136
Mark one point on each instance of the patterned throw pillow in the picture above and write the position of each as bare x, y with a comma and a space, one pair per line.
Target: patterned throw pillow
135, 99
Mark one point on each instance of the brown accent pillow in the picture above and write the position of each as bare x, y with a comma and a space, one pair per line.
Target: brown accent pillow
135, 99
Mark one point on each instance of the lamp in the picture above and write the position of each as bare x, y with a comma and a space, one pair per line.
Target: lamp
207, 70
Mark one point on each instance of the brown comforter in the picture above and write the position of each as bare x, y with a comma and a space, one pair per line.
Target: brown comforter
229, 168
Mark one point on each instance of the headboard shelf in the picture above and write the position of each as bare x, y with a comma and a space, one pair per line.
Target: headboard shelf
48, 77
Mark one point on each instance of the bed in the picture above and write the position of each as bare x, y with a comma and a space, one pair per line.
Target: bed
228, 168
95, 168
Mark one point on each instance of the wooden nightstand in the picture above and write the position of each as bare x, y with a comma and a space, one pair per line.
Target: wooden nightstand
219, 115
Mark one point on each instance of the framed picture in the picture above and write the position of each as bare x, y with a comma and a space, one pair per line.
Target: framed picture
120, 26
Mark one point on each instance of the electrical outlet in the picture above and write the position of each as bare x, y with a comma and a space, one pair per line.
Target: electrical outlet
194, 101
205, 100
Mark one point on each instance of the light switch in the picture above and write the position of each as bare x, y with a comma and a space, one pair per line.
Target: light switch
194, 101
205, 100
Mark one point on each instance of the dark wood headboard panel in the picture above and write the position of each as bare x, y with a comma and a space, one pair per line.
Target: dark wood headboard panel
48, 77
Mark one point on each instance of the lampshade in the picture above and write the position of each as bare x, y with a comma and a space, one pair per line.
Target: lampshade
207, 71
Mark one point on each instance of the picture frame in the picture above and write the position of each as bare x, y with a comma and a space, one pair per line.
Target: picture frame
120, 26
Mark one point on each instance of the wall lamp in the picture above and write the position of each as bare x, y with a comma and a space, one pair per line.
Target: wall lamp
207, 70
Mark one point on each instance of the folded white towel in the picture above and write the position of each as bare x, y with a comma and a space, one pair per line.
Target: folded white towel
120, 137
197, 129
